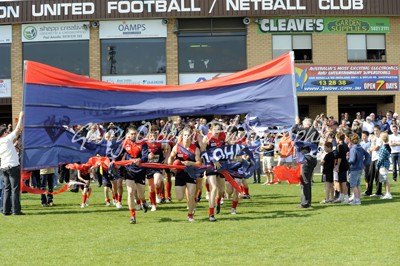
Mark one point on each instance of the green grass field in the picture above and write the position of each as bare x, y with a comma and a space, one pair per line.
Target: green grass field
268, 230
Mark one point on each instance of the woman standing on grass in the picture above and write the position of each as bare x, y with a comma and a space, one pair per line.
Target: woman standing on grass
188, 154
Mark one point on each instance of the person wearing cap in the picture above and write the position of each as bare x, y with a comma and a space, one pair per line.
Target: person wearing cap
368, 125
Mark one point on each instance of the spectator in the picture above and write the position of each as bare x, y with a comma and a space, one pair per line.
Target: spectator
286, 150
10, 168
268, 147
328, 164
203, 126
373, 118
47, 180
343, 125
347, 119
373, 174
366, 145
9, 128
341, 168
384, 163
389, 117
356, 127
255, 142
379, 116
368, 125
311, 135
1, 190
358, 159
358, 118
93, 134
384, 125
395, 116
394, 142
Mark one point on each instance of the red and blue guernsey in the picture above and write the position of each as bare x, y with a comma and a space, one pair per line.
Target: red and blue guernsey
216, 141
186, 154
136, 150
155, 148
242, 141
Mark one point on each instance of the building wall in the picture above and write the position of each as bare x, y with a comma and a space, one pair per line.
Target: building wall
327, 49
16, 73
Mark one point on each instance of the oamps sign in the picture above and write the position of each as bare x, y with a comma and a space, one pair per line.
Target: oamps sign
133, 29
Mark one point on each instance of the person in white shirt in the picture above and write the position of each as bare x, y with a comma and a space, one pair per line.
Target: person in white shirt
10, 168
93, 134
368, 125
394, 142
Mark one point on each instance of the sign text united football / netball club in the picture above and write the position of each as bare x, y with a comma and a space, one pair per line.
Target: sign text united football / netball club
16, 9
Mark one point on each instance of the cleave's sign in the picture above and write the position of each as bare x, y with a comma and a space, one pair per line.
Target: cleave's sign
20, 11
324, 25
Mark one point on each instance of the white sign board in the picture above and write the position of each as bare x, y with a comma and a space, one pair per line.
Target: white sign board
137, 79
6, 34
5, 88
50, 32
199, 77
155, 28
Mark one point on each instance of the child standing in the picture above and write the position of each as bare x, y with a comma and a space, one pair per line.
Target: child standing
328, 164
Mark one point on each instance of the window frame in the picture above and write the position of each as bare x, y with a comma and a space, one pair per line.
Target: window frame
84, 72
131, 41
213, 36
383, 52
294, 50
8, 65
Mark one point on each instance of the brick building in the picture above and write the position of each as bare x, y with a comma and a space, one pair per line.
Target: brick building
346, 50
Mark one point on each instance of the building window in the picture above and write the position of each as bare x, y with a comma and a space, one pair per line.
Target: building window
133, 56
301, 45
5, 66
211, 45
366, 47
209, 54
72, 56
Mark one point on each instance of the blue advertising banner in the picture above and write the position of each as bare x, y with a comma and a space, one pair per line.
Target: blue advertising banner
336, 78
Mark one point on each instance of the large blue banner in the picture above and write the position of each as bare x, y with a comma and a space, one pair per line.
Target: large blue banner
54, 98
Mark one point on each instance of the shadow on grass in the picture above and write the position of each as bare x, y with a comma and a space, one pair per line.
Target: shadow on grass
305, 213
260, 216
55, 211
